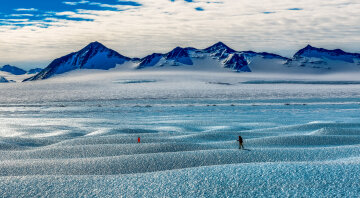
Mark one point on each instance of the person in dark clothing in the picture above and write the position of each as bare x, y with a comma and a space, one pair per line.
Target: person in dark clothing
241, 145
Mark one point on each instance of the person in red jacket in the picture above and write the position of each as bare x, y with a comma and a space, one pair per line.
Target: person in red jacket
240, 140
138, 139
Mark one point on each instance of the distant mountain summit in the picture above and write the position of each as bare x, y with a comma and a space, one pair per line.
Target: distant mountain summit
237, 62
12, 70
176, 57
150, 60
323, 58
93, 56
179, 55
337, 54
219, 50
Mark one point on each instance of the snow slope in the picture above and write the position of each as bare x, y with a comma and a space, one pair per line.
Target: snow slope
34, 71
14, 78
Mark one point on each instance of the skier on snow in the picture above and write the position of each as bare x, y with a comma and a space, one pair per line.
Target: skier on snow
240, 140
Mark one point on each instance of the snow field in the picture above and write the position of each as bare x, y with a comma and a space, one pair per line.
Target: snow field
76, 136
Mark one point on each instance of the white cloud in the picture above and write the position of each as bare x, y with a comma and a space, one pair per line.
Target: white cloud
27, 9
104, 5
79, 14
20, 15
160, 25
75, 2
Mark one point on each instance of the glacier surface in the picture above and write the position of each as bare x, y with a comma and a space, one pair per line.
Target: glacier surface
75, 135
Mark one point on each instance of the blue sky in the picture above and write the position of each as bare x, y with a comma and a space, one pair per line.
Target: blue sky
33, 12
33, 32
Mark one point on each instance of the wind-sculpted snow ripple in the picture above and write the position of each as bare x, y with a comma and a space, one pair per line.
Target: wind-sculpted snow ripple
337, 131
244, 180
305, 140
101, 150
18, 143
153, 162
94, 145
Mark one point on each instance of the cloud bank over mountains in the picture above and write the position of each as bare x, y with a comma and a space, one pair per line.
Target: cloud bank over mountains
33, 33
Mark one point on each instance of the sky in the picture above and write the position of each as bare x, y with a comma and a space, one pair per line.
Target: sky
33, 33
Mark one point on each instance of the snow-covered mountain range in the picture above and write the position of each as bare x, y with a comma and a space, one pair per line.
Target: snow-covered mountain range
12, 70
18, 71
93, 56
325, 59
218, 56
10, 73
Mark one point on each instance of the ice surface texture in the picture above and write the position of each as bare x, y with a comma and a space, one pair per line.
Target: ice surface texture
76, 136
